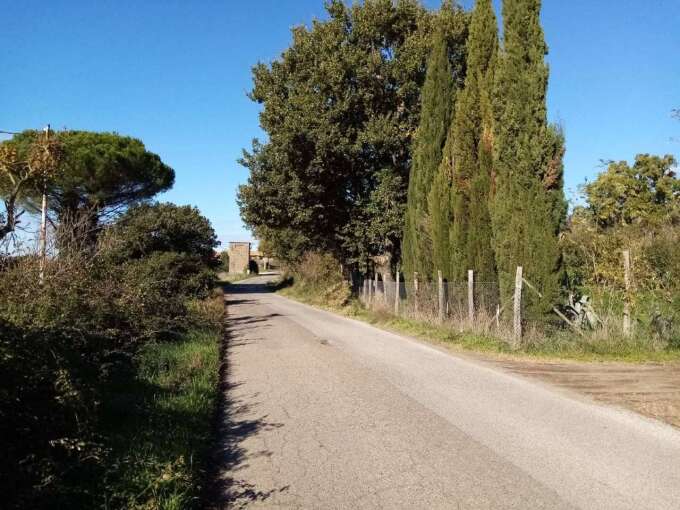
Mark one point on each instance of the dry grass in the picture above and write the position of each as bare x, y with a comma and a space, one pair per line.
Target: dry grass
486, 335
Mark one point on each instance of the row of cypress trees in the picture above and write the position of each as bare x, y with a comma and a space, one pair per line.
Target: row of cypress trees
486, 185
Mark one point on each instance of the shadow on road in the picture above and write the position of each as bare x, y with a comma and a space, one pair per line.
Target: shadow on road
248, 288
234, 425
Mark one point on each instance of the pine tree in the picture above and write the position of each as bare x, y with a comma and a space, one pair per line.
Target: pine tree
437, 104
528, 204
472, 139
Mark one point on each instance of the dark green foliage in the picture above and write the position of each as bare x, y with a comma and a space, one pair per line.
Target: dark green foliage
224, 260
440, 211
480, 254
66, 347
274, 204
472, 156
528, 204
162, 282
174, 243
150, 228
100, 174
436, 108
49, 386
340, 107
376, 225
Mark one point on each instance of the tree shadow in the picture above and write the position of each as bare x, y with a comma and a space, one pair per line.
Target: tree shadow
250, 319
248, 288
233, 425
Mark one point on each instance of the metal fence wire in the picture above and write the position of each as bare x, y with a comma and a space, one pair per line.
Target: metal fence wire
452, 303
522, 312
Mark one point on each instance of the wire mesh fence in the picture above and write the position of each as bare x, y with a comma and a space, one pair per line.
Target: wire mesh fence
462, 306
467, 306
523, 314
520, 313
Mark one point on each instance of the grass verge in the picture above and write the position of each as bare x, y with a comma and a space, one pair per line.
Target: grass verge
161, 425
561, 346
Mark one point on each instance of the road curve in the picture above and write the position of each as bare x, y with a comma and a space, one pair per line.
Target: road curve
326, 412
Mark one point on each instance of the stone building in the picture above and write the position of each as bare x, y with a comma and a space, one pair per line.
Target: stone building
239, 257
264, 262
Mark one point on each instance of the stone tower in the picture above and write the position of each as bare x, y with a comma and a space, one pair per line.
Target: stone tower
239, 257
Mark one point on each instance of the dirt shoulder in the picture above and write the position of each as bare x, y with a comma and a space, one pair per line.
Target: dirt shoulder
648, 388
651, 389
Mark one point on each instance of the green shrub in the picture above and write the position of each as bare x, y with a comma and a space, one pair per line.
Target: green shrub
318, 278
70, 351
161, 228
51, 386
224, 261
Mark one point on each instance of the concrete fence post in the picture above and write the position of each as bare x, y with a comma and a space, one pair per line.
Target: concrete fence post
385, 296
396, 293
517, 306
440, 295
376, 287
471, 296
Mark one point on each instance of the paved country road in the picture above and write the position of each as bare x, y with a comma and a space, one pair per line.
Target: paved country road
326, 412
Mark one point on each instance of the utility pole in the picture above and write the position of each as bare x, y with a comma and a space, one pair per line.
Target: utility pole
43, 219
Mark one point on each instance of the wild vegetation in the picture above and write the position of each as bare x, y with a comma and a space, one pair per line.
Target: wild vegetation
340, 108
637, 208
465, 175
109, 343
318, 279
459, 200
438, 97
399, 141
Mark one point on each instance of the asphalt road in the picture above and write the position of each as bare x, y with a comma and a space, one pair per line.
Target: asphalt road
325, 412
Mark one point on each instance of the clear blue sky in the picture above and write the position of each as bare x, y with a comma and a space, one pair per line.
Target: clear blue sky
175, 74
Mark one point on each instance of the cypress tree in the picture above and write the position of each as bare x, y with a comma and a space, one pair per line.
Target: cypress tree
528, 204
441, 214
437, 104
472, 139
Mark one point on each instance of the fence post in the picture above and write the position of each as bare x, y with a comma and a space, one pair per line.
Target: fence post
396, 294
375, 285
415, 291
365, 290
471, 296
385, 298
440, 289
626, 299
370, 291
517, 309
